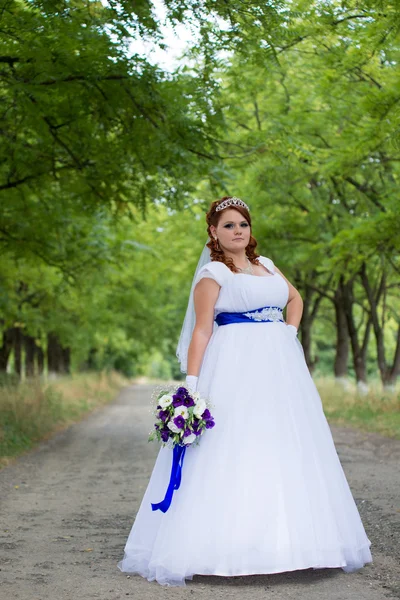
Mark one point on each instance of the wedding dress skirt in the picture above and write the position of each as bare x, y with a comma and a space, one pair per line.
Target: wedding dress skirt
264, 491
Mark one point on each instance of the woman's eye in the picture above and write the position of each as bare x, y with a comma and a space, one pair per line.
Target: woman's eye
230, 225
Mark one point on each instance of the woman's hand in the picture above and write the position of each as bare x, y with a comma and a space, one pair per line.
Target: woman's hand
292, 329
191, 383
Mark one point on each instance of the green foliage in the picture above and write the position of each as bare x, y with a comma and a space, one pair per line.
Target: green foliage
312, 147
86, 127
31, 411
125, 303
107, 164
343, 405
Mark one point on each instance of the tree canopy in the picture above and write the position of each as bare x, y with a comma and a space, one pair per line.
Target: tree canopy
108, 165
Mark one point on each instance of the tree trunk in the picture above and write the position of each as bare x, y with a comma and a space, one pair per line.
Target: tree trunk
58, 357
40, 360
66, 354
306, 343
387, 372
359, 352
395, 369
310, 309
54, 354
342, 334
6, 348
18, 351
30, 353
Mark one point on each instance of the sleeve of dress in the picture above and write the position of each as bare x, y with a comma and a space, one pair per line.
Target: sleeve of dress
212, 270
267, 262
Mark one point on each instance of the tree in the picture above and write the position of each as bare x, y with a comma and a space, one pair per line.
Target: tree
319, 161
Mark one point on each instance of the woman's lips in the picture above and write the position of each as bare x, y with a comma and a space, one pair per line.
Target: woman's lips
236, 239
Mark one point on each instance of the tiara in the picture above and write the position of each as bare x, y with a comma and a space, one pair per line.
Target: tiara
233, 201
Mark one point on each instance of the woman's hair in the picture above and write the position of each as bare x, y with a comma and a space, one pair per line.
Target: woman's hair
212, 218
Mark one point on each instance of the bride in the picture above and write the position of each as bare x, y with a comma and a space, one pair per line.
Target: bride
264, 491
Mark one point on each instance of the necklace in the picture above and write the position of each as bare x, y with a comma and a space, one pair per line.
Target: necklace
248, 269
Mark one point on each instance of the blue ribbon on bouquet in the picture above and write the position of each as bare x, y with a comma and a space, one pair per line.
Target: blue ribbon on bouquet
174, 480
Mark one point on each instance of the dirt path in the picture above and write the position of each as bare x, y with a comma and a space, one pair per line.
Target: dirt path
67, 508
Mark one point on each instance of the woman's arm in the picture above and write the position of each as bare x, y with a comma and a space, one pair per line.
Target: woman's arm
294, 307
205, 296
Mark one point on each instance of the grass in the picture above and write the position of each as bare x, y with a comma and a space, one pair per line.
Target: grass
377, 411
34, 410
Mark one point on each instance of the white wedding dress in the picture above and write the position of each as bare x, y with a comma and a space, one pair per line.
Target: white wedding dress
264, 491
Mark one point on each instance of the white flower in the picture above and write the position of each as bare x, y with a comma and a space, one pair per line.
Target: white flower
165, 401
199, 408
171, 425
181, 411
189, 439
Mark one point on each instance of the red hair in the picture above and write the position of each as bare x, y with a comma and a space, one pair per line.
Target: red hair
212, 218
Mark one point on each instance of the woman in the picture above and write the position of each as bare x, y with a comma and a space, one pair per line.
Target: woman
264, 492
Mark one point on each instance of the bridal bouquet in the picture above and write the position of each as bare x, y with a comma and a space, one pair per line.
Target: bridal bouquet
182, 417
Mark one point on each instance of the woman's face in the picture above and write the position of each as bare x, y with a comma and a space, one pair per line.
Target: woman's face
233, 230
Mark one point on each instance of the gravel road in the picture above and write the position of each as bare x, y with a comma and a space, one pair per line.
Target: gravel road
68, 506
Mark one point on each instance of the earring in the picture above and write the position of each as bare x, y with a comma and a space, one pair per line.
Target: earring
217, 244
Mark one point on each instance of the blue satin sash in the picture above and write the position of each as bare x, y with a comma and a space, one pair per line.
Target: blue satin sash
174, 480
251, 316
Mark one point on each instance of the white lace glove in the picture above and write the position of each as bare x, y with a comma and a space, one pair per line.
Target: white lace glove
292, 329
191, 383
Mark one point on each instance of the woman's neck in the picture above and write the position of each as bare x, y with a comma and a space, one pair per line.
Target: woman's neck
239, 258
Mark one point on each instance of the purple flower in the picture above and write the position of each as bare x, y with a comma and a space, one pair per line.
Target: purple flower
197, 428
163, 415
159, 406
188, 431
164, 435
177, 400
156, 426
188, 401
206, 415
181, 391
210, 424
179, 421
